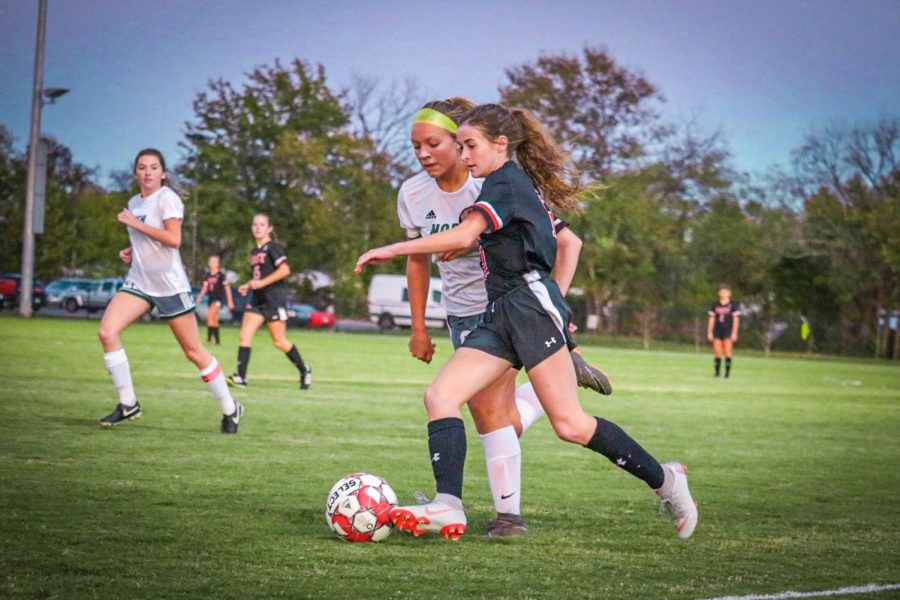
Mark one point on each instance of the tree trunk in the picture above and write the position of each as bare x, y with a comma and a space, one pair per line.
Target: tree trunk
896, 353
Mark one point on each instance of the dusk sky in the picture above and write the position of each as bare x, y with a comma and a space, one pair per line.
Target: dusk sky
763, 72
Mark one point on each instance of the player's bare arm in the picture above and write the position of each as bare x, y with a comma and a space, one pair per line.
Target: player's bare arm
418, 278
460, 237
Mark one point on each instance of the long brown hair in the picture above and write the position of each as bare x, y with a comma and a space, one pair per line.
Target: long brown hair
542, 159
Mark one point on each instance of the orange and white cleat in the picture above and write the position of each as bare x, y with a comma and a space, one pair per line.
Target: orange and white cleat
679, 503
434, 516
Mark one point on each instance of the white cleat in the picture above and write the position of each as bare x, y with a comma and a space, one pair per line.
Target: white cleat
433, 516
679, 503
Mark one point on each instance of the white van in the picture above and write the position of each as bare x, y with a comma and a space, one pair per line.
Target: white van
389, 302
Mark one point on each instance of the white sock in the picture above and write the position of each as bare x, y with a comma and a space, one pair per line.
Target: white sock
504, 467
213, 377
117, 364
530, 409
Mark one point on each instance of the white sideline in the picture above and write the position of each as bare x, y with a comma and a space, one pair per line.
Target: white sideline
862, 589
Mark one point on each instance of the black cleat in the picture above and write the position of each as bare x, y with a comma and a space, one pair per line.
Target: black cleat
507, 525
122, 413
590, 376
306, 378
230, 422
235, 380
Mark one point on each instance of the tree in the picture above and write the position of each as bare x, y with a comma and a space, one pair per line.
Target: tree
282, 144
606, 114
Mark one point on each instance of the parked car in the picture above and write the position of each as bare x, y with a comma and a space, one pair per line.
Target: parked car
305, 315
56, 289
94, 295
9, 291
203, 309
388, 302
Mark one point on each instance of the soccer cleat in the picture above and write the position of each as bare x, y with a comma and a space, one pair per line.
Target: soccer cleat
678, 503
230, 422
589, 376
434, 516
122, 413
235, 380
306, 378
507, 525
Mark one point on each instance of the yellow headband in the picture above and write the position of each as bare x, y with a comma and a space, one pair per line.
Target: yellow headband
433, 117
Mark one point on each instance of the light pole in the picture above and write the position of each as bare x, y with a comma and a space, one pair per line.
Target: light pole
26, 284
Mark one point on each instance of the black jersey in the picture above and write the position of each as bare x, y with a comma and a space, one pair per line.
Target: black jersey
215, 286
263, 262
521, 233
724, 317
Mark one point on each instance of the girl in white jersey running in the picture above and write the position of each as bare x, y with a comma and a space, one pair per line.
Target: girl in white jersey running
429, 203
156, 278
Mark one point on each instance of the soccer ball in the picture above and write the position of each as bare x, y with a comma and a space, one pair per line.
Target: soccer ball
358, 508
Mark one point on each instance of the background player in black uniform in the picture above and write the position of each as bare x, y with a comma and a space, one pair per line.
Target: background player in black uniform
219, 291
722, 328
269, 268
526, 322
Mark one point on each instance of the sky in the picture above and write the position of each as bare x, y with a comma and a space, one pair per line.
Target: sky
764, 73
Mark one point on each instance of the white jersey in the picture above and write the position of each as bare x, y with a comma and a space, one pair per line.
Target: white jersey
156, 269
423, 209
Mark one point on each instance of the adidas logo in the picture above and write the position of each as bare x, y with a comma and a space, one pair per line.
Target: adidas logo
431, 215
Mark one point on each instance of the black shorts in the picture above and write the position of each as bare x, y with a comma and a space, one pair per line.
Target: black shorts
721, 333
216, 300
526, 326
270, 312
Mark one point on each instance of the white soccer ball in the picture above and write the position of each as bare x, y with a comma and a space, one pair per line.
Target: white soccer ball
358, 508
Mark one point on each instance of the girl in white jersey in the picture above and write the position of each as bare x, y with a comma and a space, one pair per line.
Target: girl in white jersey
429, 203
156, 278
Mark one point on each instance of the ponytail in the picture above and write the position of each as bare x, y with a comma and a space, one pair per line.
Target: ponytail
548, 165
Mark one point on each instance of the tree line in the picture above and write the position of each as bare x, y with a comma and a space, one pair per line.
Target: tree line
816, 240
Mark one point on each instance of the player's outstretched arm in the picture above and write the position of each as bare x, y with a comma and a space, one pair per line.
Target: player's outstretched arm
452, 239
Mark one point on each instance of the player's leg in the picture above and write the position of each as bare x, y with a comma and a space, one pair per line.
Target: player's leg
554, 382
717, 354
212, 321
123, 310
188, 335
727, 345
252, 321
496, 418
278, 331
466, 373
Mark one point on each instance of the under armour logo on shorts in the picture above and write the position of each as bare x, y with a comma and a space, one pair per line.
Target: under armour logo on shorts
550, 342
436, 457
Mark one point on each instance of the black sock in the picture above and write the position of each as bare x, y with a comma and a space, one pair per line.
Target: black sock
612, 442
243, 361
447, 445
209, 333
727, 366
718, 366
294, 356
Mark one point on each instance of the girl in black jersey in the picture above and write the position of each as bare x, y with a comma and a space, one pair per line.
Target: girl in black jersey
722, 328
268, 300
219, 291
526, 323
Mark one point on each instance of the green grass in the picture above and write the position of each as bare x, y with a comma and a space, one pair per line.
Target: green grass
794, 463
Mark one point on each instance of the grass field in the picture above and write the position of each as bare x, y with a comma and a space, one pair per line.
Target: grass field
794, 463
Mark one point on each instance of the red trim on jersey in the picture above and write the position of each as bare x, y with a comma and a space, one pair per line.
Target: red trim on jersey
280, 260
488, 211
